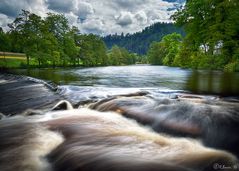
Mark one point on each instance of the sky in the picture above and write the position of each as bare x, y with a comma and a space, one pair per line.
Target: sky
100, 17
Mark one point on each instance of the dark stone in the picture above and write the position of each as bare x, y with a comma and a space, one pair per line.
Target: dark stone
19, 93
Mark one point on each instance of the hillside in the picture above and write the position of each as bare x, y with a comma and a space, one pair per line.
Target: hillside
139, 42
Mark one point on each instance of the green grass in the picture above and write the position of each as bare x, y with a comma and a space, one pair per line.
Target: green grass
12, 60
15, 60
19, 60
12, 63
13, 57
12, 54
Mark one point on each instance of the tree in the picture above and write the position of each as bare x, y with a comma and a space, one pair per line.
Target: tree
51, 41
75, 32
139, 42
155, 54
165, 51
70, 48
120, 56
58, 25
115, 55
35, 41
171, 44
92, 50
4, 41
212, 29
20, 29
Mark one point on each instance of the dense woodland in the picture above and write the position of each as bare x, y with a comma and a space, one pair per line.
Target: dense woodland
139, 42
210, 40
51, 41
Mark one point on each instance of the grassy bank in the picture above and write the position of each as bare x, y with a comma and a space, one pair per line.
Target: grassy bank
9, 60
12, 60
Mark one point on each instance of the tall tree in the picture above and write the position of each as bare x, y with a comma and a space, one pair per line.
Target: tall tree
20, 30
155, 54
92, 50
212, 28
4, 41
165, 51
58, 25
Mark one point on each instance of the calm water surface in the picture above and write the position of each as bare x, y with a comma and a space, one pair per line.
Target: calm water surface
102, 81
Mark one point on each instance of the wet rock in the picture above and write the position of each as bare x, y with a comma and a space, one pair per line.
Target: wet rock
210, 119
19, 93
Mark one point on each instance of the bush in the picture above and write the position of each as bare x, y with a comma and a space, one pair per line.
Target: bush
182, 59
232, 66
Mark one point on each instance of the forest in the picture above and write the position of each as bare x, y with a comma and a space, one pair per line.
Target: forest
211, 41
52, 42
144, 38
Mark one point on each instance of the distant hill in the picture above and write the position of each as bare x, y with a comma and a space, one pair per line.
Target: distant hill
139, 42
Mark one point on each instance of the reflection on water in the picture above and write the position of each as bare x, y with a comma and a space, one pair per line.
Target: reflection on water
214, 82
142, 77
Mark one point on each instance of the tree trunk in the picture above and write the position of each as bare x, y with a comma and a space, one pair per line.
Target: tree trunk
54, 64
4, 56
28, 59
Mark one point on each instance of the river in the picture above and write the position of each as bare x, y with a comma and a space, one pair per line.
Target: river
82, 84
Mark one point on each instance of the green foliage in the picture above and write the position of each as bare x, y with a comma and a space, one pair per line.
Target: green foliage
11, 63
212, 29
120, 56
93, 50
14, 60
140, 59
4, 41
155, 54
51, 41
165, 51
232, 67
140, 42
198, 60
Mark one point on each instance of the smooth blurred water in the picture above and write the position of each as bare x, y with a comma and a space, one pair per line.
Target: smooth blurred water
103, 81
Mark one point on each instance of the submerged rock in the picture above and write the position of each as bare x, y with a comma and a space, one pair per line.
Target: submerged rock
214, 121
83, 139
20, 93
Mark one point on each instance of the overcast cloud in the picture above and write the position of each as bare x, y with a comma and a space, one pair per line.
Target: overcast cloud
96, 16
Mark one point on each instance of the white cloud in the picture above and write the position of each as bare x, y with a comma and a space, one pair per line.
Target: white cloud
95, 16
72, 18
5, 20
141, 17
128, 4
61, 6
12, 8
83, 10
95, 26
125, 19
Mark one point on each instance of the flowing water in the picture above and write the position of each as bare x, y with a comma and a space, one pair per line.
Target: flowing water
82, 84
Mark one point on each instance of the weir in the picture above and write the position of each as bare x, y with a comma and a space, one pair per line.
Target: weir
211, 119
19, 93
